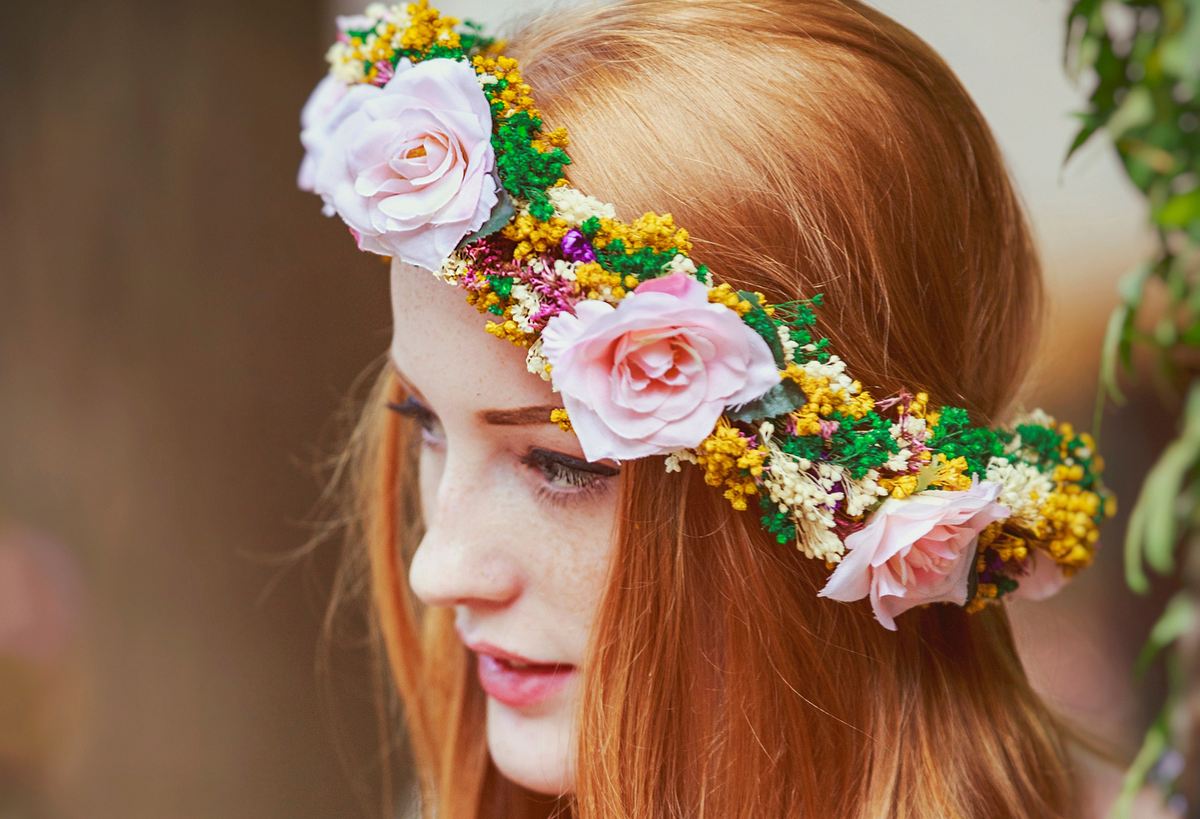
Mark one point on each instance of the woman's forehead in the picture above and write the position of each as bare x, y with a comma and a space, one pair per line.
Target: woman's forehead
439, 343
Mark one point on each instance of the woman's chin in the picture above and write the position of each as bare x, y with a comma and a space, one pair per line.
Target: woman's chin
536, 752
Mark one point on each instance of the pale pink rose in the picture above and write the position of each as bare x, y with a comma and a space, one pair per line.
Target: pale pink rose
916, 550
654, 373
410, 168
1044, 577
329, 103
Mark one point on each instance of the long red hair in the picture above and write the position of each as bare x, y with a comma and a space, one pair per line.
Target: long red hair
808, 146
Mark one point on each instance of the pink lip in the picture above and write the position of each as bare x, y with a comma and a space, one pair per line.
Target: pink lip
518, 687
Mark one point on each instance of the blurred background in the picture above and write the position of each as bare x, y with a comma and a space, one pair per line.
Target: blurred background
180, 330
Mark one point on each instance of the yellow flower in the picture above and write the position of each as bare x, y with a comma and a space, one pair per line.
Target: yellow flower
426, 26
950, 474
532, 235
824, 399
901, 486
559, 416
722, 455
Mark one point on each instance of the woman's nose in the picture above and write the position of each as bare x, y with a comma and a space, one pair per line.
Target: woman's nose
463, 558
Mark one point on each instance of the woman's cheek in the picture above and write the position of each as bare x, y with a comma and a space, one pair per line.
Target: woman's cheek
429, 479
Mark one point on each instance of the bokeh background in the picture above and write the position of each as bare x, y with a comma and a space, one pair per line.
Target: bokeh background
181, 330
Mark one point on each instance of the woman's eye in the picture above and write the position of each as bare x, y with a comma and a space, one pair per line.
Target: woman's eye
563, 478
431, 434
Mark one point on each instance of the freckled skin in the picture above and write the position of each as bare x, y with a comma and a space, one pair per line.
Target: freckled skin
522, 573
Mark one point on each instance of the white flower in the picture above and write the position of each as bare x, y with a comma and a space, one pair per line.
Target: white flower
673, 459
1024, 487
835, 370
356, 22
564, 269
535, 362
1038, 417
680, 264
342, 66
526, 305
809, 498
861, 493
576, 207
899, 461
786, 341
453, 269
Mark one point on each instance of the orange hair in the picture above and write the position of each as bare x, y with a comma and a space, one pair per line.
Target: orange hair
808, 146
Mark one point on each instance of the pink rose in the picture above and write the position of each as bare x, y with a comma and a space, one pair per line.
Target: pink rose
410, 168
916, 550
654, 373
1043, 577
330, 103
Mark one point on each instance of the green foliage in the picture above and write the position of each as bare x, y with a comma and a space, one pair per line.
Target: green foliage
954, 436
644, 262
862, 444
776, 522
1144, 59
525, 171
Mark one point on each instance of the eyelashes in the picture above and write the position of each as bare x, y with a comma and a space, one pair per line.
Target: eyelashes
412, 408
562, 482
563, 479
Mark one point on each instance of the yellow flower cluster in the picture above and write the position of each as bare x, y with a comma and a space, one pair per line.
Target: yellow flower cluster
483, 299
652, 230
824, 400
1006, 540
1067, 525
591, 280
724, 293
426, 27
722, 454
559, 416
984, 593
950, 474
532, 235
517, 96
918, 407
550, 140
900, 486
509, 330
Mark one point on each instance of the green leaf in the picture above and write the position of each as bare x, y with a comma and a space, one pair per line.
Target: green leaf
1135, 111
1178, 618
780, 399
1180, 53
1160, 493
502, 214
1180, 210
1091, 124
1135, 575
1153, 529
1113, 337
1156, 741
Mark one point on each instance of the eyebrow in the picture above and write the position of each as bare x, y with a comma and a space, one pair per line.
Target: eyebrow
515, 416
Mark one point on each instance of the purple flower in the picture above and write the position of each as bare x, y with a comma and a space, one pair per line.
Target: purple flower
576, 247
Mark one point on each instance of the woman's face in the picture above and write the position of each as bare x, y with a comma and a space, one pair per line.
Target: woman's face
518, 524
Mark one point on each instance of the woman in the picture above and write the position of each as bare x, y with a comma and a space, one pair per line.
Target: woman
590, 626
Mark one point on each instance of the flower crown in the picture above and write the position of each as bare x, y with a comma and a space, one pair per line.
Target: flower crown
427, 142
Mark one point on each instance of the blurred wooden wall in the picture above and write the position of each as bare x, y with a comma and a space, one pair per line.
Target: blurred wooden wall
177, 326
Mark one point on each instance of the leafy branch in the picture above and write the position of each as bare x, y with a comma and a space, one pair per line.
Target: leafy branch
1144, 58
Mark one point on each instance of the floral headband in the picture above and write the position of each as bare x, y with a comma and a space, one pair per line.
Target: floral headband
427, 142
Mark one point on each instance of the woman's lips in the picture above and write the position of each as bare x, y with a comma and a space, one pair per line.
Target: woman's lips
516, 682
